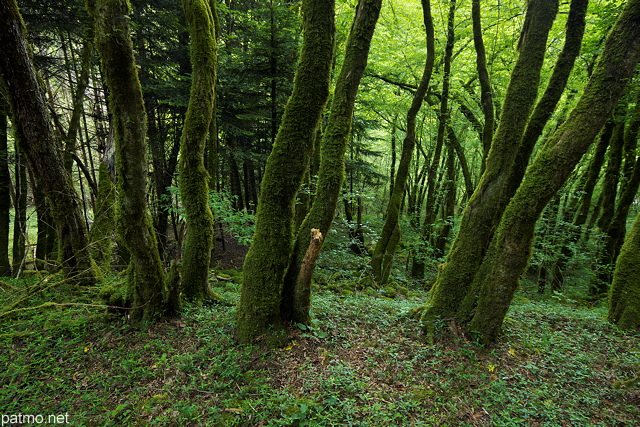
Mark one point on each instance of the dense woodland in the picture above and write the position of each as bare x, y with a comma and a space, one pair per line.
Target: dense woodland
257, 210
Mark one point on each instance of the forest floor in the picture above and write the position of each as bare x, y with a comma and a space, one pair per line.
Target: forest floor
363, 362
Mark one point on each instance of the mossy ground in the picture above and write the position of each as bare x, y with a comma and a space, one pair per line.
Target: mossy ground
363, 363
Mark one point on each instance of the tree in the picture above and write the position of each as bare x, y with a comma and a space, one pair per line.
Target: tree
38, 142
194, 188
133, 221
5, 193
296, 292
386, 245
483, 210
509, 251
624, 297
267, 260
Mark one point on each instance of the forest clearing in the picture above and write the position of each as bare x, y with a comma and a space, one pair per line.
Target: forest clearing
320, 212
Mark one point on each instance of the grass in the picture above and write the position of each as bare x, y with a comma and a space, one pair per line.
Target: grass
556, 364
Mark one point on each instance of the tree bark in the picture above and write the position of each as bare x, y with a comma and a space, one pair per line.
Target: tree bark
509, 251
133, 221
38, 141
258, 314
194, 188
333, 146
624, 298
5, 192
483, 211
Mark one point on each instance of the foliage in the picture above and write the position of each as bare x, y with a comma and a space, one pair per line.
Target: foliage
238, 222
558, 363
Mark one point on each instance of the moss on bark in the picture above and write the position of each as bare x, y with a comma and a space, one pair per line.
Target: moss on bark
194, 187
510, 249
483, 211
624, 297
258, 313
133, 222
332, 150
38, 142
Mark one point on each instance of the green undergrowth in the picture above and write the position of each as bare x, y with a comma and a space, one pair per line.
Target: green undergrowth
361, 362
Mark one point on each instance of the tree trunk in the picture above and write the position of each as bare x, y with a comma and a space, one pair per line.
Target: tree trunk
133, 221
194, 188
38, 141
20, 213
103, 230
332, 151
485, 83
5, 192
510, 249
385, 248
549, 100
624, 298
428, 227
483, 210
258, 313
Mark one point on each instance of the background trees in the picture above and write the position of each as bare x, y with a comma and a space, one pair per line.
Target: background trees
478, 116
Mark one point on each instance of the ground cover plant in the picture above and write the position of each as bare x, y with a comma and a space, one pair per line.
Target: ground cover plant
362, 361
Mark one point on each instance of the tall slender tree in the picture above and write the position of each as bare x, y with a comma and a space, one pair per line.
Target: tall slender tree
5, 192
385, 248
194, 188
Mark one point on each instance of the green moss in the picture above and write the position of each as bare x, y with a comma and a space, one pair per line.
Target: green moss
133, 221
194, 190
258, 313
624, 297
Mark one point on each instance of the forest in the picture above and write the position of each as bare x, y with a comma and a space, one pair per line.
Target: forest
320, 212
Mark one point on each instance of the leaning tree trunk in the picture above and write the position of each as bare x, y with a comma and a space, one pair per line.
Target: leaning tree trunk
333, 147
624, 298
482, 212
194, 188
258, 313
552, 94
385, 248
510, 249
133, 221
39, 143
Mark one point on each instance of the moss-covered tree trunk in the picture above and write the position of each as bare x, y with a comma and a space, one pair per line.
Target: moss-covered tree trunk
5, 192
483, 212
383, 252
194, 186
551, 96
510, 249
38, 142
624, 297
133, 221
332, 151
258, 313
